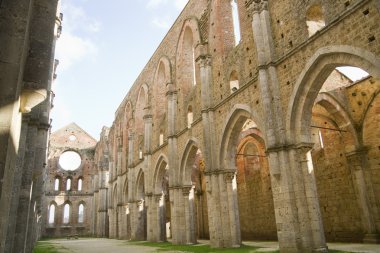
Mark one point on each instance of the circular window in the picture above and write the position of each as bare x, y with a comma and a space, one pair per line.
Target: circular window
70, 160
72, 137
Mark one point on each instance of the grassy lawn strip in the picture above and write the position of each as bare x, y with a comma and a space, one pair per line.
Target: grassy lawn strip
197, 248
46, 247
203, 248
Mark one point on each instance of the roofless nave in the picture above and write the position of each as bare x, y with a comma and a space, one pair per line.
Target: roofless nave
219, 137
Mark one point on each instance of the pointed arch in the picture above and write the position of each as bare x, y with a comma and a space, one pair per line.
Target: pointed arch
52, 209
340, 114
230, 134
142, 103
125, 191
66, 212
191, 148
160, 172
81, 211
140, 185
164, 64
162, 81
311, 79
114, 196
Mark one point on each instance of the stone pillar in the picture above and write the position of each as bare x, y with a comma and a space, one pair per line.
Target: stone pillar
14, 36
230, 179
365, 195
314, 218
37, 190
102, 226
151, 215
26, 190
223, 209
178, 221
138, 218
188, 200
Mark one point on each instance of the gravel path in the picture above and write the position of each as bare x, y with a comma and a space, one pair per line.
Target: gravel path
98, 245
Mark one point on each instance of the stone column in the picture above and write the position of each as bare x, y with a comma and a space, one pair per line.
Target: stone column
150, 216
26, 190
223, 210
102, 227
138, 218
188, 200
161, 217
365, 195
314, 218
230, 180
178, 216
14, 37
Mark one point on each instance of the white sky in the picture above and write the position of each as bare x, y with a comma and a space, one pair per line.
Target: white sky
102, 49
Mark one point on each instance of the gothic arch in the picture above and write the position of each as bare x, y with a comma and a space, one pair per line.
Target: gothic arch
140, 185
193, 25
230, 134
191, 147
311, 79
159, 173
165, 63
114, 196
125, 191
340, 114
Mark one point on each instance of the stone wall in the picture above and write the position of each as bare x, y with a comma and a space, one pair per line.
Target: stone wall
70, 138
280, 69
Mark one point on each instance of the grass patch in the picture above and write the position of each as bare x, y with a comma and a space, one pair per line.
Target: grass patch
47, 247
197, 248
204, 248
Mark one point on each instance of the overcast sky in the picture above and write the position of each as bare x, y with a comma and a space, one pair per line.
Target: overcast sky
103, 48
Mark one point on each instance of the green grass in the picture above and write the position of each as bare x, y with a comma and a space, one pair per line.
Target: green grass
202, 248
197, 248
46, 247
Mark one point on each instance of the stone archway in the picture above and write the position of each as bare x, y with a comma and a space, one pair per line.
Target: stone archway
299, 133
159, 217
193, 181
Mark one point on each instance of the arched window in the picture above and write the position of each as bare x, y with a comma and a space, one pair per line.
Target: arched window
52, 214
68, 184
81, 213
56, 184
140, 153
234, 82
66, 214
161, 140
190, 116
80, 183
314, 19
236, 22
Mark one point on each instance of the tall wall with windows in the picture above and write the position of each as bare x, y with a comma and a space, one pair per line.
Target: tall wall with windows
69, 189
243, 125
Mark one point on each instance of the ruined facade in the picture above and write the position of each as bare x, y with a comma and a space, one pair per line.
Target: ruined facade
69, 189
28, 31
241, 127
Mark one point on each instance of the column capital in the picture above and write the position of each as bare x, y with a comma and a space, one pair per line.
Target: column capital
229, 176
257, 6
204, 60
186, 190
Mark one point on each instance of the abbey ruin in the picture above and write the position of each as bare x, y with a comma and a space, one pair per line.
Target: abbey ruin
236, 129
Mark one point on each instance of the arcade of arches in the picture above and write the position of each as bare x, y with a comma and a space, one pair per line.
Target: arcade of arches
260, 135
